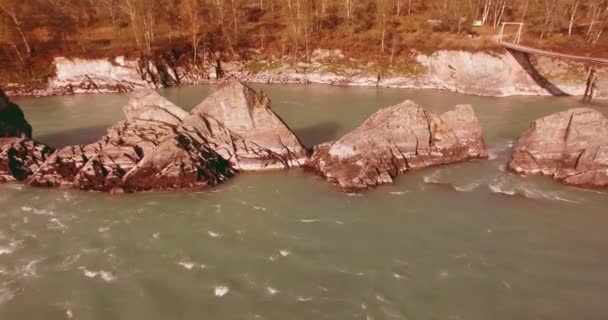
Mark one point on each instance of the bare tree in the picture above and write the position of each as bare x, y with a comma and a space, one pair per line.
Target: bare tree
11, 8
193, 23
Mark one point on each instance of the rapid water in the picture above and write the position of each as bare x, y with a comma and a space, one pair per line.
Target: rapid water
464, 241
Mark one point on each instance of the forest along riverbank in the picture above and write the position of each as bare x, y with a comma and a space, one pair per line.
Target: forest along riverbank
478, 73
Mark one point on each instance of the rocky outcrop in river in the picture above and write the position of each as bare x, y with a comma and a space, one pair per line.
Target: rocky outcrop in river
570, 146
20, 156
398, 139
244, 130
150, 150
161, 146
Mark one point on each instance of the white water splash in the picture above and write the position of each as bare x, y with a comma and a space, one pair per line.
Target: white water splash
102, 274
284, 252
303, 299
214, 234
190, 265
271, 291
309, 220
221, 291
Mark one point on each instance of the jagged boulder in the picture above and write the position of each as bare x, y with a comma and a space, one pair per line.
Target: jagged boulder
570, 146
12, 120
150, 150
19, 155
242, 128
398, 139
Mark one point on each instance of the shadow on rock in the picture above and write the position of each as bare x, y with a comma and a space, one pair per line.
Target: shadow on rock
318, 133
80, 136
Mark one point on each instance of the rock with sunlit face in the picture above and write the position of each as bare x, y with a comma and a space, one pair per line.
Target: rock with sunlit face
161, 146
150, 150
570, 146
398, 139
242, 128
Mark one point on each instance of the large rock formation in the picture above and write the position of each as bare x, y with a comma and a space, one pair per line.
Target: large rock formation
398, 139
19, 155
12, 120
244, 130
150, 150
570, 146
161, 146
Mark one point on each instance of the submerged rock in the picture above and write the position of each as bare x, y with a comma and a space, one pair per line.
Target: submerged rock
570, 146
12, 120
147, 151
398, 139
243, 129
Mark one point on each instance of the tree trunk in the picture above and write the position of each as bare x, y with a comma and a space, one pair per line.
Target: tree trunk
573, 16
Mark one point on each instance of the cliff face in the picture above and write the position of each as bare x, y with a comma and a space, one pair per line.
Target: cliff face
504, 74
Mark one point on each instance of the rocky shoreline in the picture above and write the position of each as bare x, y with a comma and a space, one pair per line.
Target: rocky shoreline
160, 146
485, 74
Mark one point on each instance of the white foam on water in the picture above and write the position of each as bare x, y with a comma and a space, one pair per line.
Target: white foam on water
284, 252
467, 187
58, 224
11, 247
69, 313
352, 194
214, 234
398, 193
43, 212
339, 222
187, 265
271, 291
6, 295
309, 220
432, 178
499, 188
303, 299
221, 291
29, 270
399, 276
527, 190
26, 209
156, 235
259, 208
103, 229
102, 274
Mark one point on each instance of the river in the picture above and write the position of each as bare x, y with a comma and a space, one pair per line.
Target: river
463, 241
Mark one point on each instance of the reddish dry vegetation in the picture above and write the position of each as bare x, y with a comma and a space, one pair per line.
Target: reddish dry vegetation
387, 31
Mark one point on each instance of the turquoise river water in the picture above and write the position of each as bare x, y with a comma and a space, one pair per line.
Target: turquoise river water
461, 242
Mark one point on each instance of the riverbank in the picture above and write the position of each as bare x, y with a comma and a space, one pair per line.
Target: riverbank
496, 74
